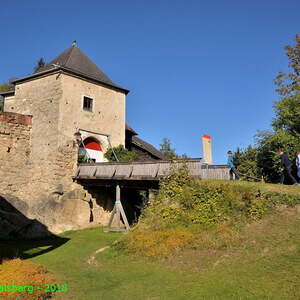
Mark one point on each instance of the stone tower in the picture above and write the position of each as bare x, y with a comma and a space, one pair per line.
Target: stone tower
69, 96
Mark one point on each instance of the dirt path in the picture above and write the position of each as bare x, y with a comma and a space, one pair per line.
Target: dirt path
92, 259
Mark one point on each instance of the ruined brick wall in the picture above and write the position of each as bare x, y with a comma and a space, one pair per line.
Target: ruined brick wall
15, 143
60, 209
40, 98
15, 166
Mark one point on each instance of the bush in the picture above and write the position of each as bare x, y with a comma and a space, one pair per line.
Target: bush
185, 205
157, 243
122, 154
82, 158
17, 272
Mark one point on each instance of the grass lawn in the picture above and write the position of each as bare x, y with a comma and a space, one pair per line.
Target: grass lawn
269, 187
265, 265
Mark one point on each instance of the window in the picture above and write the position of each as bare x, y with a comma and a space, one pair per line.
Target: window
87, 103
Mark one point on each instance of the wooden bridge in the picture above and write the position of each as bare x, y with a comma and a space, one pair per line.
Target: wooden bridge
139, 175
146, 174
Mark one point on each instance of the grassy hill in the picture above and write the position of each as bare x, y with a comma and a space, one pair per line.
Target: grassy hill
203, 214
263, 264
240, 258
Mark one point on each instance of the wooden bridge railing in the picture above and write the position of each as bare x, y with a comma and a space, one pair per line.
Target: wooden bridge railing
152, 170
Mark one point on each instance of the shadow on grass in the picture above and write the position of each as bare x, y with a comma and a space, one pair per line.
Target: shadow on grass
29, 248
23, 237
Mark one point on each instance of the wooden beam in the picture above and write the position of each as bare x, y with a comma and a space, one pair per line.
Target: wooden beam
117, 212
122, 183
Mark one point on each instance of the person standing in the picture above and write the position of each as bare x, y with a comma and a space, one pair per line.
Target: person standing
286, 167
298, 163
231, 165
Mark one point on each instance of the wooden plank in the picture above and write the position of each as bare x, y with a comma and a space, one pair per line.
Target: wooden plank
118, 201
87, 171
112, 216
195, 170
163, 170
124, 217
105, 171
145, 170
148, 171
222, 174
123, 171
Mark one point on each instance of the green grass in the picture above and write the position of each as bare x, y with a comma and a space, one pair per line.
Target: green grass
264, 265
279, 188
262, 262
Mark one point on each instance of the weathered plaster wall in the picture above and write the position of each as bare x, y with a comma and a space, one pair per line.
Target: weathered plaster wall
107, 117
44, 154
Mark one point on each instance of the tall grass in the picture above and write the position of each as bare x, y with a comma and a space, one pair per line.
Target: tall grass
202, 213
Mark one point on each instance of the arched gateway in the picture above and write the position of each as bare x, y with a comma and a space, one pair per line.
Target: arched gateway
91, 149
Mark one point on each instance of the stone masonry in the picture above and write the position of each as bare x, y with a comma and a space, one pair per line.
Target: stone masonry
38, 146
15, 143
40, 157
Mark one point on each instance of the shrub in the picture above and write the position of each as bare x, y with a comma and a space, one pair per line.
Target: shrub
17, 272
157, 243
212, 207
82, 158
122, 154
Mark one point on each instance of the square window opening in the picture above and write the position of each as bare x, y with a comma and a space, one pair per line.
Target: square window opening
87, 103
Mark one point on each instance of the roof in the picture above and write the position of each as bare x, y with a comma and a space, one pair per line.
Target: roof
128, 128
8, 93
147, 147
74, 61
109, 173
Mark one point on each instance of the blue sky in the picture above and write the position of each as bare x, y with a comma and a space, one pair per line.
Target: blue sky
193, 67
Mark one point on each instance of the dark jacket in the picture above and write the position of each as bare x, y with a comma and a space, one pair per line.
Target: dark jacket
285, 162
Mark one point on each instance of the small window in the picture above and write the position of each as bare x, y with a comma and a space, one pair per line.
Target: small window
87, 103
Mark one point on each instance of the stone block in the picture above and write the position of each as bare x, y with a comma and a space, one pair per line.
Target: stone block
75, 194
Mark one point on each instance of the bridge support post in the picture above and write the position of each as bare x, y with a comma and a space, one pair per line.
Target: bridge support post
118, 211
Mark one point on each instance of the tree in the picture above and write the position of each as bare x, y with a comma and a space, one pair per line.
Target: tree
286, 124
268, 145
247, 163
167, 150
122, 154
4, 87
285, 133
287, 109
39, 65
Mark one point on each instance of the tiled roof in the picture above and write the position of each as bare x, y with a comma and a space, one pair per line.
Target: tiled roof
75, 61
147, 147
128, 128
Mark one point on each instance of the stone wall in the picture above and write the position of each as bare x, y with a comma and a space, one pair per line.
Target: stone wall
61, 209
15, 173
55, 102
39, 157
40, 98
15, 144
